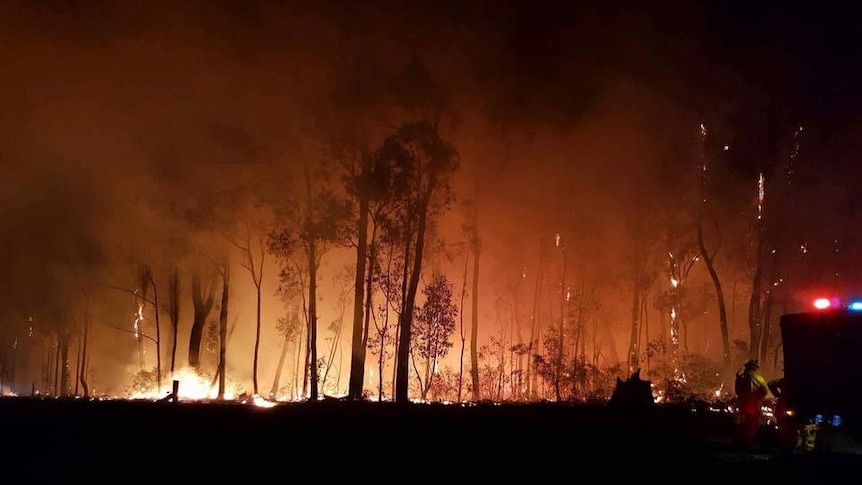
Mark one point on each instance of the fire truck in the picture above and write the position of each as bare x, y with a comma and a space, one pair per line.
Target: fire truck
822, 351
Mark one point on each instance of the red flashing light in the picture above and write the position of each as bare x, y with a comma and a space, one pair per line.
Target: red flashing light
822, 303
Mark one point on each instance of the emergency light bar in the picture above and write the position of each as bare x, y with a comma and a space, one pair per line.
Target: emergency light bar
822, 303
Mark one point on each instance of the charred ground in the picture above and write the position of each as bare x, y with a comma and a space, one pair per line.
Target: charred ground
354, 439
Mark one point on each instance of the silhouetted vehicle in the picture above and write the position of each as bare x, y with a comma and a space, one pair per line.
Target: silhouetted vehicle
823, 366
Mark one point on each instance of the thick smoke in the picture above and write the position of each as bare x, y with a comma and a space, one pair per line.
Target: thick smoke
135, 135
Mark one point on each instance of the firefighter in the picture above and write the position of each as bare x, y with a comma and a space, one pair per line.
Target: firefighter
786, 428
751, 389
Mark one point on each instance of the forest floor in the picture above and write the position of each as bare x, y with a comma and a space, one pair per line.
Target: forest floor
370, 440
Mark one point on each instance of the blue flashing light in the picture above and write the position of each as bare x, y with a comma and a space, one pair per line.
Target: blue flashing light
855, 306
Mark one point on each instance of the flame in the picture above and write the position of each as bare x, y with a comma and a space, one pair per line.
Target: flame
761, 194
139, 317
192, 387
261, 402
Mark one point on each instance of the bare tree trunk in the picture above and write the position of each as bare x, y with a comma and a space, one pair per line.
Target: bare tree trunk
257, 284
65, 388
531, 388
402, 385
85, 355
158, 334
369, 303
754, 311
203, 303
306, 357
461, 327
222, 330
474, 333
296, 367
404, 279
427, 369
634, 350
56, 382
273, 394
174, 315
312, 317
47, 368
767, 326
381, 358
77, 369
719, 293
709, 259
334, 348
558, 359
519, 370
357, 354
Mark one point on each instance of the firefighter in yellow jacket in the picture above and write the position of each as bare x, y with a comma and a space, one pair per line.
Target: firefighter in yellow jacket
751, 390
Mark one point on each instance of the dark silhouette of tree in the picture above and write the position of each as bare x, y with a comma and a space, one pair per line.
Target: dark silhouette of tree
224, 270
289, 328
371, 182
203, 297
253, 255
174, 313
476, 247
426, 164
309, 226
707, 255
434, 326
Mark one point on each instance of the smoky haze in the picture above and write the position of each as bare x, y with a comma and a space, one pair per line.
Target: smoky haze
151, 134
